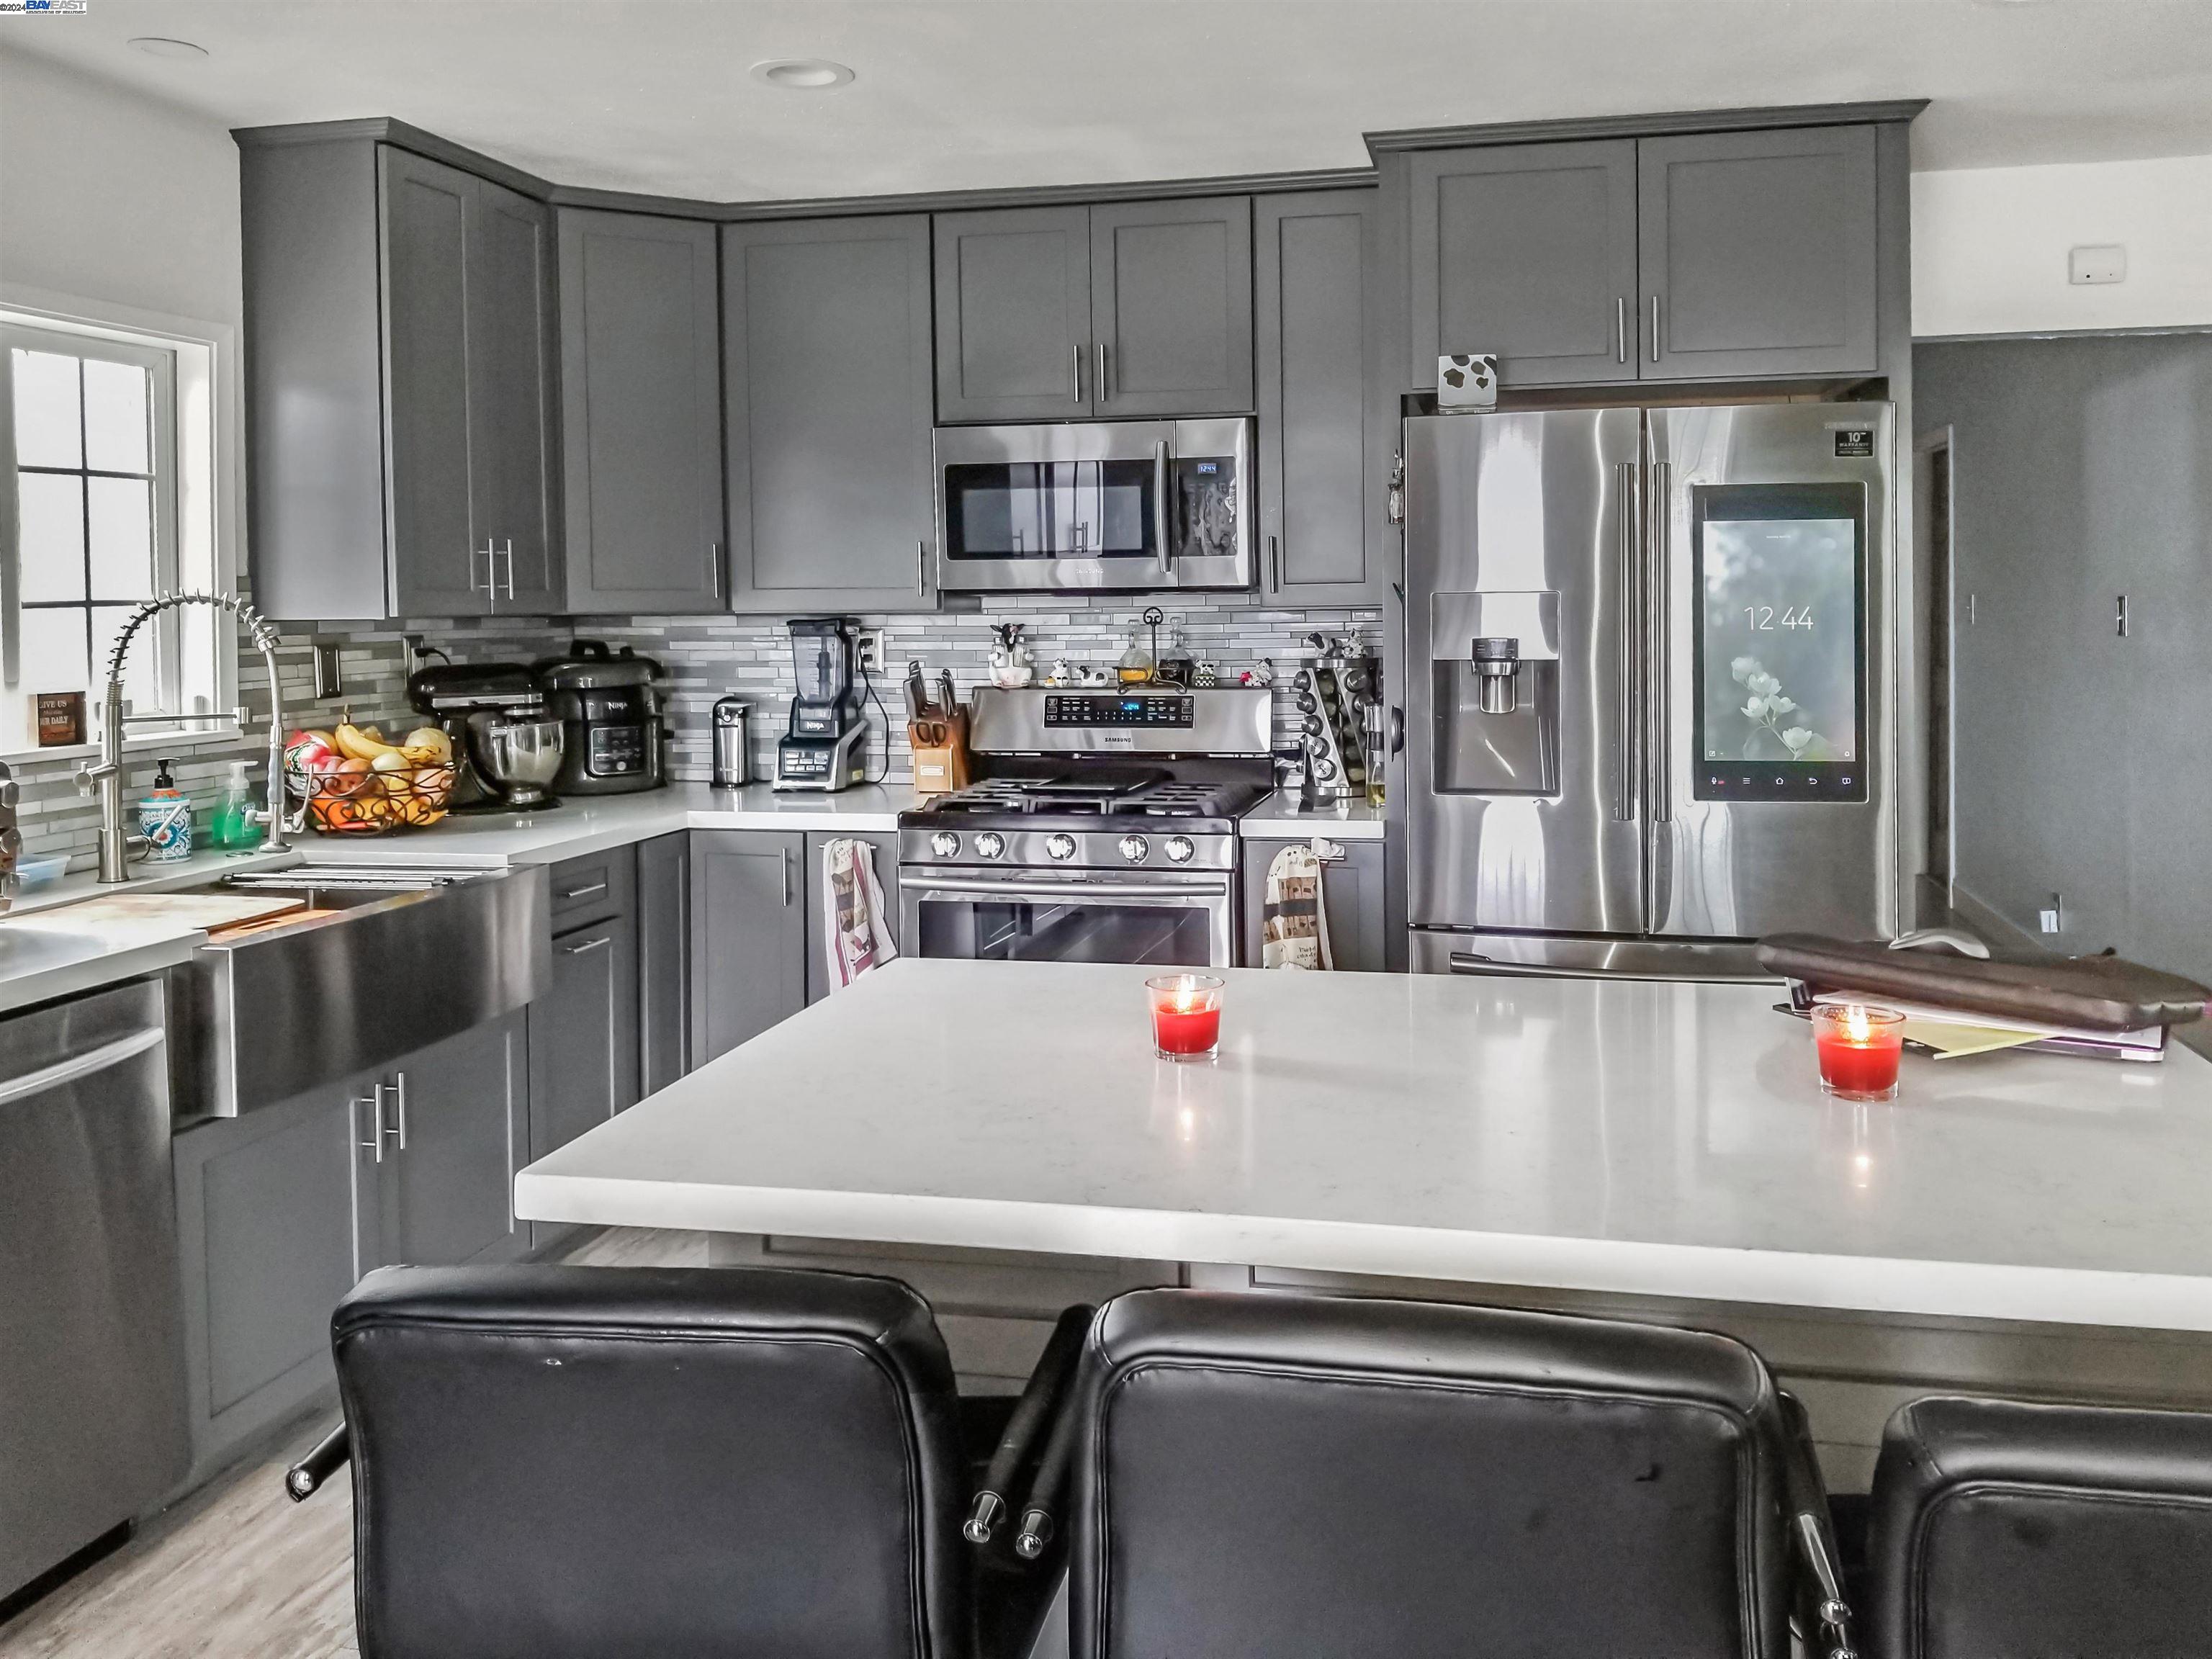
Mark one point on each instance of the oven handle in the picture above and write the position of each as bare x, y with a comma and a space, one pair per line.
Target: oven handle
1100, 891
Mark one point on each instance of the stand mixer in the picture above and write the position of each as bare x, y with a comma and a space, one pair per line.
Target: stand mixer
506, 747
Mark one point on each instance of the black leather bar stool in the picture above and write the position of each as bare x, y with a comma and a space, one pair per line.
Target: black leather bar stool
563, 1462
1263, 1475
2001, 1530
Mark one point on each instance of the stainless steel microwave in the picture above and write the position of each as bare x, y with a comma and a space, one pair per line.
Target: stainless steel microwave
1125, 506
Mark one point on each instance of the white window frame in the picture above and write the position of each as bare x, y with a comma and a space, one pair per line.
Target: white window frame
203, 501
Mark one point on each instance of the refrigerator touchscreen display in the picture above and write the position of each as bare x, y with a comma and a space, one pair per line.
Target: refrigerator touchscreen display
1780, 675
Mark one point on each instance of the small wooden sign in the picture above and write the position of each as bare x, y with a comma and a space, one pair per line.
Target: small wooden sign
61, 718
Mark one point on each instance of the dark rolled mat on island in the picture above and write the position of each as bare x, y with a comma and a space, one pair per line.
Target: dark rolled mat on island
2089, 994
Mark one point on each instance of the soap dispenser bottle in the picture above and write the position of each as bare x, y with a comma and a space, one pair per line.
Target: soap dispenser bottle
164, 818
235, 829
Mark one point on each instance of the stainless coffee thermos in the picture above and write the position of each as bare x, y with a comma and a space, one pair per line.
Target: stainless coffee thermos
732, 750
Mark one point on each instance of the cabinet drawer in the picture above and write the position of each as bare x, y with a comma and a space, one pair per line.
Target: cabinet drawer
589, 889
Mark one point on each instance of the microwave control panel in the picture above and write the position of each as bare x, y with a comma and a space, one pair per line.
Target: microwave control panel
1118, 708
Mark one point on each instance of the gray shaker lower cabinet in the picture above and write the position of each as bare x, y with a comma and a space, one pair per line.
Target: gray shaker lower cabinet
456, 1116
584, 1039
748, 935
885, 843
664, 960
1351, 898
278, 1213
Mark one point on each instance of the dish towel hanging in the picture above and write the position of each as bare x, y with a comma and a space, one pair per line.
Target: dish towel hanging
853, 921
1294, 933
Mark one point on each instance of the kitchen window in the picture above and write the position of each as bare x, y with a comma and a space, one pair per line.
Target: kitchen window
90, 425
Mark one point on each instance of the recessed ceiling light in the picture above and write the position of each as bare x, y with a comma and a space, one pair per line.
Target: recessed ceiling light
802, 74
155, 45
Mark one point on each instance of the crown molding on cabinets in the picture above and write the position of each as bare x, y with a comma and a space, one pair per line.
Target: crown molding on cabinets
1645, 127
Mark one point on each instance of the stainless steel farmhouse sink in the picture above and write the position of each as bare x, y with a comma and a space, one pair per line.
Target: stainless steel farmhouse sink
380, 960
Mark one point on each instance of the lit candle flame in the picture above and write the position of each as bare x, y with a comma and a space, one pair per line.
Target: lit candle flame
1856, 1026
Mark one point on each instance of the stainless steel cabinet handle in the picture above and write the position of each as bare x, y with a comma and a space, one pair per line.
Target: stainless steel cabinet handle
587, 946
1621, 329
486, 551
584, 892
84, 1065
1076, 353
1099, 384
921, 570
506, 552
375, 1104
1654, 328
1275, 564
1160, 502
715, 566
399, 1096
786, 879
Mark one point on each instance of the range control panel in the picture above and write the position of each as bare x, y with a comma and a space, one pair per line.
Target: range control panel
1117, 708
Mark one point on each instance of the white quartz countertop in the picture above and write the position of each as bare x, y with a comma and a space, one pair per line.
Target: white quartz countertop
1631, 1137
1279, 815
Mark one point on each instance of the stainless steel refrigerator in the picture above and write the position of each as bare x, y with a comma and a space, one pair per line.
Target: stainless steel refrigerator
1650, 659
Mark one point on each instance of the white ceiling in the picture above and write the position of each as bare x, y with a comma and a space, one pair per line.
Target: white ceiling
653, 95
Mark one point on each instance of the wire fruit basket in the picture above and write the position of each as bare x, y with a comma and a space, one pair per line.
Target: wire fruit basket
372, 802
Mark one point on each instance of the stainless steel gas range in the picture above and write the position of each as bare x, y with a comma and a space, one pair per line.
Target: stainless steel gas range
1102, 829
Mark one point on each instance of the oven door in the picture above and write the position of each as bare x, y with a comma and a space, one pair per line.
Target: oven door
1176, 922
1129, 505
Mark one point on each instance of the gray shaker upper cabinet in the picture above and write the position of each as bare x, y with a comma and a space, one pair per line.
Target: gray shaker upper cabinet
513, 415
1171, 307
1323, 525
1014, 314
1528, 250
826, 371
641, 412
400, 382
1757, 254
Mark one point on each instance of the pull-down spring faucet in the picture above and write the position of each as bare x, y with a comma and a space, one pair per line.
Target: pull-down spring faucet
107, 775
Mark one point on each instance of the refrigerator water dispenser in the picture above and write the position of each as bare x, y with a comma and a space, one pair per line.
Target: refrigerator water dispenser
1494, 662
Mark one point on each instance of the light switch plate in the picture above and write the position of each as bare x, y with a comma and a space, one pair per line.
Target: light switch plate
2088, 266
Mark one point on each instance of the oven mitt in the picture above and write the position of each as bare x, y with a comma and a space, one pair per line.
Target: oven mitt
854, 923
1294, 933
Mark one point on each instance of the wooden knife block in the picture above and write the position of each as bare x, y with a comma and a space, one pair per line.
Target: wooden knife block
940, 769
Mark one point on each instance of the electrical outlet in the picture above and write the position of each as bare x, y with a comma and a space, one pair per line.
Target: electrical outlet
2052, 917
870, 647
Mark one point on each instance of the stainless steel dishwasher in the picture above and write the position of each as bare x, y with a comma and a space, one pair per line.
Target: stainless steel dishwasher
92, 1378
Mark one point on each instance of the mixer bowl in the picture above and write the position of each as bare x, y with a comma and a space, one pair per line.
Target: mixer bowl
519, 753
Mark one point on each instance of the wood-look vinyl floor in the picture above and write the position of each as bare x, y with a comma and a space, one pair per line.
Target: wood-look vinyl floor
237, 1571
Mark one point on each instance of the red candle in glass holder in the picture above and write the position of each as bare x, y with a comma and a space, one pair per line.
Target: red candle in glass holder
1859, 1049
1186, 1015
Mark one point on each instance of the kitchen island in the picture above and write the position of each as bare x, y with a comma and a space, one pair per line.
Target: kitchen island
1002, 1136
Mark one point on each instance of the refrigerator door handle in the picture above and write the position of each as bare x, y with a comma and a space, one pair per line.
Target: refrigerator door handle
1658, 602
1630, 486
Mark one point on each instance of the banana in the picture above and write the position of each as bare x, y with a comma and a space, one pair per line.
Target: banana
363, 744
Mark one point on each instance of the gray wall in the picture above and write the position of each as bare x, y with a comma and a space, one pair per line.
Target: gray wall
2082, 471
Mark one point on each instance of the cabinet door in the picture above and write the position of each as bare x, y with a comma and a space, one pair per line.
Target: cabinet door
826, 343
1528, 250
1757, 254
885, 846
1171, 306
1351, 896
583, 1035
277, 1215
512, 347
641, 413
748, 936
1323, 530
437, 569
664, 880
455, 1123
1014, 314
